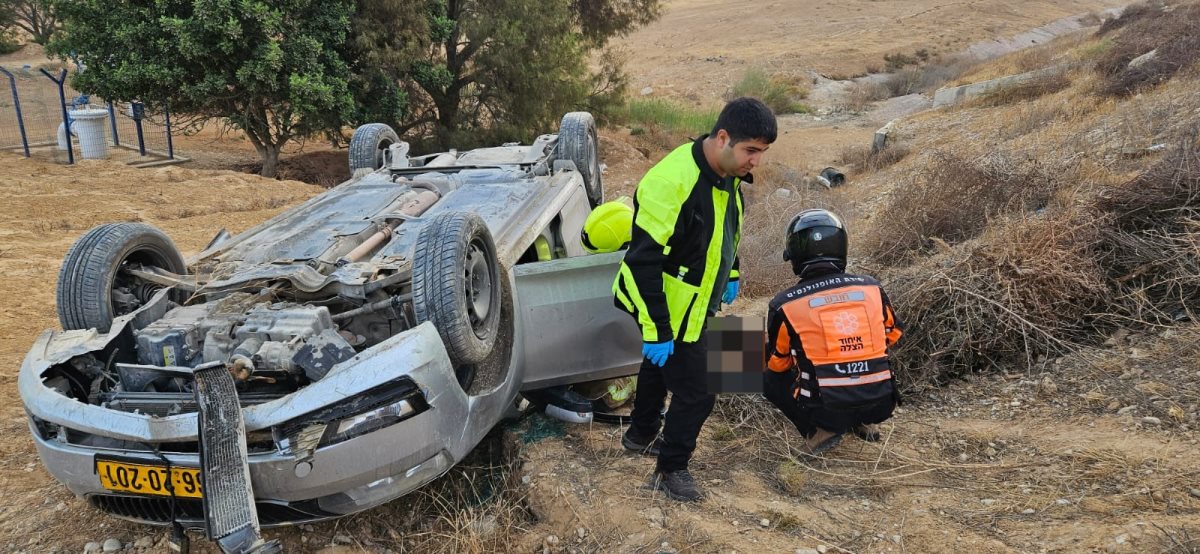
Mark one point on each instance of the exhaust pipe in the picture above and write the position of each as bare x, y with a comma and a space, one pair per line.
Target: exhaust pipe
416, 205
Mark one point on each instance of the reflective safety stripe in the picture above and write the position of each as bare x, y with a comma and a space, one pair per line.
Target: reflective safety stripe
852, 381
625, 278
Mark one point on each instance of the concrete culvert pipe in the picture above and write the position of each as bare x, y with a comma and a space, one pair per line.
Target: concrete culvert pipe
89, 126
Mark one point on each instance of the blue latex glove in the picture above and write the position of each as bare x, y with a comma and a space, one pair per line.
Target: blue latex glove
658, 352
731, 291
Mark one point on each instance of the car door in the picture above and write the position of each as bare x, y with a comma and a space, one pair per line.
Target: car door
572, 332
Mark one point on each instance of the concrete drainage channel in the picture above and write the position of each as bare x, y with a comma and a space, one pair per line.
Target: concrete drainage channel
894, 109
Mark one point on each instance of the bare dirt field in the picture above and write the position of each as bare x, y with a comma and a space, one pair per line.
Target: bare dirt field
700, 47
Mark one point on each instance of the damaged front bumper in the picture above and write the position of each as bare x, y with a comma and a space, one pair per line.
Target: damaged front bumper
320, 460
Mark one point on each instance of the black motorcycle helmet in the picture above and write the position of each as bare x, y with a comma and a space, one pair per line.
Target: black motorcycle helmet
815, 236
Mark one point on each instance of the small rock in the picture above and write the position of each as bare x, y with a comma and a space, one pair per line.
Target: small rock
1063, 502
1140, 60
484, 526
144, 542
342, 539
1121, 539
807, 551
764, 522
1029, 511
647, 91
1047, 387
306, 527
987, 501
1151, 420
822, 549
60, 506
782, 193
897, 539
1126, 409
91, 547
655, 516
550, 540
581, 533
111, 545
525, 480
1195, 493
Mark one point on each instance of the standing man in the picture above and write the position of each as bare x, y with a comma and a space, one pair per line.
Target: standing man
681, 264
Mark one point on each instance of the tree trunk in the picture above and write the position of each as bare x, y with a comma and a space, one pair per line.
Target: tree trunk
270, 159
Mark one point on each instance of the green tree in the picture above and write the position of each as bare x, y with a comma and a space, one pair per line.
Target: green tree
36, 17
271, 68
482, 71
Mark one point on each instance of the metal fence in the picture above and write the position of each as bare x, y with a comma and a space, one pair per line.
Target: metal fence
35, 106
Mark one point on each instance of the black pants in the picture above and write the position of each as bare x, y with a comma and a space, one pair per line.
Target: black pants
684, 377
777, 387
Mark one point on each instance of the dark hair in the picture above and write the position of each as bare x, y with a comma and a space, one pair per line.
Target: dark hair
746, 118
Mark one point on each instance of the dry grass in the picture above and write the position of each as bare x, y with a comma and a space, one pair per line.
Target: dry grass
865, 159
476, 508
927, 210
1041, 85
929, 76
767, 213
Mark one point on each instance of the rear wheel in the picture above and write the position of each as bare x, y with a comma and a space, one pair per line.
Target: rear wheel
456, 285
578, 142
369, 146
93, 286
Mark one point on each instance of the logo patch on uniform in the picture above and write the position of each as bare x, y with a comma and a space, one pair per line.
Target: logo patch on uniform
845, 323
817, 235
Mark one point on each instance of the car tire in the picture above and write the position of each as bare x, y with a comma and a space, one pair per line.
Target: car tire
369, 146
456, 284
91, 287
578, 142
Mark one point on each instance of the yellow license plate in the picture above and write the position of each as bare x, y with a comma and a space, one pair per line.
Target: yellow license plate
139, 478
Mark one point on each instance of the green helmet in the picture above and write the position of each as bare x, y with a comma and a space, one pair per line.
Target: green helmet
609, 227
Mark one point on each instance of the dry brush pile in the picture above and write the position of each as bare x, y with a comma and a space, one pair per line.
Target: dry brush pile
1005, 259
995, 262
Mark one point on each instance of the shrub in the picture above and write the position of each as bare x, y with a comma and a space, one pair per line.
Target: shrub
779, 94
864, 159
1173, 35
929, 209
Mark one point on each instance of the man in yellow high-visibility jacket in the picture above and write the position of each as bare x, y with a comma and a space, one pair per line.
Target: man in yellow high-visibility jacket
681, 264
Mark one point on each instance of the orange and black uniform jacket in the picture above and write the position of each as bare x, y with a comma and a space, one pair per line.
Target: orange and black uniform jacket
834, 330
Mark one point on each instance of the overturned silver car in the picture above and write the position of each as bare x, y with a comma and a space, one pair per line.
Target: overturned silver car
336, 357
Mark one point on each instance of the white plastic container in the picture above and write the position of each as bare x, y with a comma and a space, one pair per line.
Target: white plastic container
90, 126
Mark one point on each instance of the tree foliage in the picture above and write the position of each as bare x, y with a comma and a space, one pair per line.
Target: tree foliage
273, 68
482, 71
36, 17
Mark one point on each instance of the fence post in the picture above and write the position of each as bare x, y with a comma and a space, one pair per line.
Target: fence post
62, 103
139, 111
112, 117
170, 144
12, 81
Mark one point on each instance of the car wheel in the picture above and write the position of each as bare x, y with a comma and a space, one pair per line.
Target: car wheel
577, 142
456, 284
93, 287
369, 146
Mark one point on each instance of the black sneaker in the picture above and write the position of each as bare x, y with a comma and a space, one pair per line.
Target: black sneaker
866, 432
641, 446
678, 485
